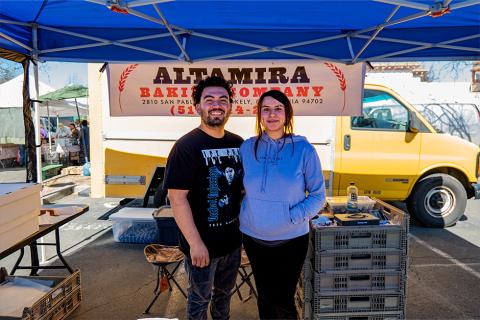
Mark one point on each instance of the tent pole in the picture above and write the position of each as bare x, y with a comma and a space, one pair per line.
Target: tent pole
38, 150
82, 133
49, 130
38, 143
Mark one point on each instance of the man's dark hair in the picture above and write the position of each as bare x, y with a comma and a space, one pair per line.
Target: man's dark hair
84, 123
213, 81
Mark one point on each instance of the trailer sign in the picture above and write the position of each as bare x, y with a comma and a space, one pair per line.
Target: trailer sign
315, 88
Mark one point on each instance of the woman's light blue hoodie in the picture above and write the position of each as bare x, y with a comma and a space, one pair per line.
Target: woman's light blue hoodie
284, 187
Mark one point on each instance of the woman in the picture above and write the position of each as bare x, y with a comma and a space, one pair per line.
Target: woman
280, 169
74, 135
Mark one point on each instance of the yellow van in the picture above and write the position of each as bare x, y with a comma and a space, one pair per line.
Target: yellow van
391, 153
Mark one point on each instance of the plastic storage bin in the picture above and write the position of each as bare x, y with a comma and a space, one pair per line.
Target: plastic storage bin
19, 210
339, 204
167, 227
134, 225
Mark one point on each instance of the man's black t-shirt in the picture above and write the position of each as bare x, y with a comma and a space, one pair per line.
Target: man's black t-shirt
210, 168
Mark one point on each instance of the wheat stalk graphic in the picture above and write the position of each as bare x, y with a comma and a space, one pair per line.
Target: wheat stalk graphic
341, 79
123, 79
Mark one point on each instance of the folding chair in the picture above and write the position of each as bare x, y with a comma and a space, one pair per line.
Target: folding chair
162, 256
245, 272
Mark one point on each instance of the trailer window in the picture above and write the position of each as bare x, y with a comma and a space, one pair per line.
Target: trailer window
381, 111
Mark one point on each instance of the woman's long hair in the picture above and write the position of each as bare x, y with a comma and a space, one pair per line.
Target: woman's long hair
287, 126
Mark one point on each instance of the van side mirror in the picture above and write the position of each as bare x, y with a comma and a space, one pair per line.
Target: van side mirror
413, 123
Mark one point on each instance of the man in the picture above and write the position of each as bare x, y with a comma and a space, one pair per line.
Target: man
205, 210
85, 140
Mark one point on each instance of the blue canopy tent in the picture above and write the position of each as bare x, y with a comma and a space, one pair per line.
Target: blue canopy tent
154, 30
192, 31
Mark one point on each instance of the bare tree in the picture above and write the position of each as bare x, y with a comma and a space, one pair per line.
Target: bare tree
9, 70
453, 70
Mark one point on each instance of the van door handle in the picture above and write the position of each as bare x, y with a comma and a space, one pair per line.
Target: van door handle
346, 142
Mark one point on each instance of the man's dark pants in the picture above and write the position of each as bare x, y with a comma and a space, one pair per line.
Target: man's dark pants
221, 275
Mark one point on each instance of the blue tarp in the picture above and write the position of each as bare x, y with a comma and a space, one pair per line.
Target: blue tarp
89, 31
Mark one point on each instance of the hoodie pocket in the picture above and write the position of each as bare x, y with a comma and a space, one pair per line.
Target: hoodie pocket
269, 218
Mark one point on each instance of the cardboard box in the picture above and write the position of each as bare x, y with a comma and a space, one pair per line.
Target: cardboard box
19, 210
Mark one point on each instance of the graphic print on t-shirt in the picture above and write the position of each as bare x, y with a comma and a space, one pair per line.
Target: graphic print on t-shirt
222, 175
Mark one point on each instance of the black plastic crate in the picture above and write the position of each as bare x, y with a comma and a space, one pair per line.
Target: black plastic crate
168, 230
368, 316
361, 302
390, 236
359, 237
360, 259
365, 280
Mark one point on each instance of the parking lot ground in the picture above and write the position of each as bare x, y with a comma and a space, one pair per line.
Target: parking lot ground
117, 282
444, 271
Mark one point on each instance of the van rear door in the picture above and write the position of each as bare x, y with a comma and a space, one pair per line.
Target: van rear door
377, 152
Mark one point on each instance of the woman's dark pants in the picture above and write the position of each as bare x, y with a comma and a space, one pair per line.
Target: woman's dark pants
276, 271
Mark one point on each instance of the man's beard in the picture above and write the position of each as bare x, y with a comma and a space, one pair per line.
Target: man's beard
214, 121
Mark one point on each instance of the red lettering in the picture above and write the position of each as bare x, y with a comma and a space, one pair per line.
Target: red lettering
257, 92
244, 92
144, 92
158, 92
172, 92
184, 92
288, 92
302, 91
317, 91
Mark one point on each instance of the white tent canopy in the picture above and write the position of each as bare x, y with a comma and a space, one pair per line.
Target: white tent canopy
11, 97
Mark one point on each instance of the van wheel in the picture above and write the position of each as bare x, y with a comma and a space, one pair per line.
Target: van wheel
161, 197
438, 200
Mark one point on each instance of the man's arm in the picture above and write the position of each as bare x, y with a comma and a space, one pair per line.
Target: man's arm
184, 218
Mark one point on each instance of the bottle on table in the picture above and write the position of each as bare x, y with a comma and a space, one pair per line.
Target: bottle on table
352, 198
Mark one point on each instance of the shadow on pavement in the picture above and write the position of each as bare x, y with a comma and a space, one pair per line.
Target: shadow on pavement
118, 283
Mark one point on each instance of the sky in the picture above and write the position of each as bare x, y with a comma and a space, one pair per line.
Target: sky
60, 74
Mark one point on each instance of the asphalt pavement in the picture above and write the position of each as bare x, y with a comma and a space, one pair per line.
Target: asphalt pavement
118, 283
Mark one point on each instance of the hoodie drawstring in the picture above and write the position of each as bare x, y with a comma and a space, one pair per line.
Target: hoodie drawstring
265, 169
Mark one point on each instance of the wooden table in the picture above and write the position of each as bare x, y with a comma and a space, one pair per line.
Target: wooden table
66, 213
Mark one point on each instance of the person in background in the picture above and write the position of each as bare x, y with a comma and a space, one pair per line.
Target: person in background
74, 135
62, 134
85, 140
43, 133
204, 181
284, 189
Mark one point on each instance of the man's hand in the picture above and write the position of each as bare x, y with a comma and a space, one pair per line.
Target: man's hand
184, 218
199, 255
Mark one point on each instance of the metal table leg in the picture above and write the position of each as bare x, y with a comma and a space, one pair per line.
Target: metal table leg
34, 257
17, 263
59, 252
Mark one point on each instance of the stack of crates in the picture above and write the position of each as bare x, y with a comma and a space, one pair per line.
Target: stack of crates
356, 272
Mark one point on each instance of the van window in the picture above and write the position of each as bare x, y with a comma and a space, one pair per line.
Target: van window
381, 111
